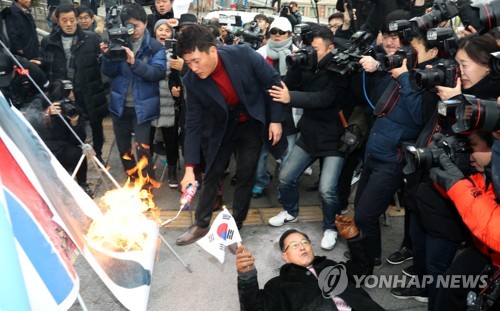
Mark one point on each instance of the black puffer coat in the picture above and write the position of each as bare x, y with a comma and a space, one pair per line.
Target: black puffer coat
321, 94
87, 82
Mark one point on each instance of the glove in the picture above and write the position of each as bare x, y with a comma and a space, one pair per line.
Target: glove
448, 175
346, 227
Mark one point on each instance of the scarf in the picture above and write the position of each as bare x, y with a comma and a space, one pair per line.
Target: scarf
278, 51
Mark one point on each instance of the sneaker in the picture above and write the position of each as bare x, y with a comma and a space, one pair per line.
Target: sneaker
402, 255
329, 239
234, 180
344, 211
409, 271
308, 171
282, 218
347, 255
419, 294
257, 192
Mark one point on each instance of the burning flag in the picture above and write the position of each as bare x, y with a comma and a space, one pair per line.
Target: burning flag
223, 232
28, 164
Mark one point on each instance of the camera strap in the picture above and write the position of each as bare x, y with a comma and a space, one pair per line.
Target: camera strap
388, 99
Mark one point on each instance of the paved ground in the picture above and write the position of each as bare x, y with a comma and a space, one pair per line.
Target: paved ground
212, 286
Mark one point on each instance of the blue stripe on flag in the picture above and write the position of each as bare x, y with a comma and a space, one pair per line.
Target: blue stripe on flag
43, 257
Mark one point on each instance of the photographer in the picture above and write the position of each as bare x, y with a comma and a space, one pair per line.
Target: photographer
55, 134
290, 11
474, 199
70, 53
135, 89
320, 93
399, 111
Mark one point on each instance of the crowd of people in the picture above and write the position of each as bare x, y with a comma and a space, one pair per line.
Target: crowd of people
216, 94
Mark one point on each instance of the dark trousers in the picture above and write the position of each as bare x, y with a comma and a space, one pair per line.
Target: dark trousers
377, 185
470, 262
245, 139
68, 156
345, 179
123, 128
431, 255
97, 136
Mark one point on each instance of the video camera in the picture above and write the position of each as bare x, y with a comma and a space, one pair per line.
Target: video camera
456, 148
406, 51
347, 61
305, 59
446, 71
250, 34
116, 34
476, 114
285, 9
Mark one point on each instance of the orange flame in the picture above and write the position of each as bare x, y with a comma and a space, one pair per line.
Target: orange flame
127, 213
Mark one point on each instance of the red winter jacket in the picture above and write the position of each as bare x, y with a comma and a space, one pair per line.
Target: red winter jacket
475, 201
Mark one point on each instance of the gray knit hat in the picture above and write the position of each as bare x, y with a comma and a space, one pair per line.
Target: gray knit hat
159, 23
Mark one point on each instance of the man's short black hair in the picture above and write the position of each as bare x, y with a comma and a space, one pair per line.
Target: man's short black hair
324, 33
195, 37
64, 8
84, 9
336, 15
135, 11
286, 234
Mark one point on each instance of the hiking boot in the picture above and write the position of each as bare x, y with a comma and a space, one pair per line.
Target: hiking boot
402, 255
419, 294
282, 218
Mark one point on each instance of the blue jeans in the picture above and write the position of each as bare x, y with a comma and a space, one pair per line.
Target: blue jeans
295, 165
262, 177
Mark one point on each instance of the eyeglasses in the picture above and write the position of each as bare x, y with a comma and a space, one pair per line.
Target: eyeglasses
276, 31
295, 244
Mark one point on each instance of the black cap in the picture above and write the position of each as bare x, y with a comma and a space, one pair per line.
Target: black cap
187, 19
6, 68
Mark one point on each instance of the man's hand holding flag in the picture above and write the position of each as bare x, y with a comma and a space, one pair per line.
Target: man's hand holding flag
223, 232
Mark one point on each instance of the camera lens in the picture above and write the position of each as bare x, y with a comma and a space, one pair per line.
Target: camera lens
294, 60
426, 79
391, 62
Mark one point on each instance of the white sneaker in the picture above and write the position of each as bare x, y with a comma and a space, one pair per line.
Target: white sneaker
282, 218
329, 239
308, 171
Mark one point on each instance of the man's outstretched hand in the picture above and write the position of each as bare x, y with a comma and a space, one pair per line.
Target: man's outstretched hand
346, 227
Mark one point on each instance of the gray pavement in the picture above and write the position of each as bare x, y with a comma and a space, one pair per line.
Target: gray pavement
211, 285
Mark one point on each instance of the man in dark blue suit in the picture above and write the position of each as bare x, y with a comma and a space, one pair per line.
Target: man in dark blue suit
229, 85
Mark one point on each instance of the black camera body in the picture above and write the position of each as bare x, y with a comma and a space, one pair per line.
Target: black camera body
442, 10
68, 108
444, 73
456, 148
305, 59
116, 34
304, 32
396, 60
444, 39
403, 28
347, 61
250, 34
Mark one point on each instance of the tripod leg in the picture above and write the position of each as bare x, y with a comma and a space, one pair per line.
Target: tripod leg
188, 268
